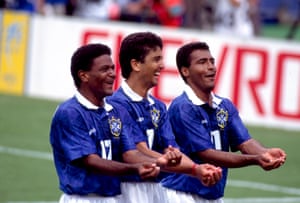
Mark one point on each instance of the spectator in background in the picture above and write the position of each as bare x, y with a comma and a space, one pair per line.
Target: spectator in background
29, 6
42, 7
138, 11
254, 14
53, 7
232, 18
199, 14
2, 4
160, 12
295, 24
70, 7
169, 12
95, 9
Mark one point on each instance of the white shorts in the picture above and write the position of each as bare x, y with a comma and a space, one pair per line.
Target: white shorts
174, 196
65, 198
142, 192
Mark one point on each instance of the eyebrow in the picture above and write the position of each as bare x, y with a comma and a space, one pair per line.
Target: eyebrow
206, 59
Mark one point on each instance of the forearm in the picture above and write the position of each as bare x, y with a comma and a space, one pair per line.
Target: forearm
185, 166
228, 159
270, 158
135, 156
142, 147
108, 167
238, 161
252, 146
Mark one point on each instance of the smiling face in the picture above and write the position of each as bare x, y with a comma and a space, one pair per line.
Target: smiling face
202, 71
98, 81
151, 67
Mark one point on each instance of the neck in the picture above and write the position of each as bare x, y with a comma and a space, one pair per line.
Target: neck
138, 87
204, 95
94, 99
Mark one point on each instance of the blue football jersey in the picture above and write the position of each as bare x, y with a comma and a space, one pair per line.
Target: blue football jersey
150, 117
198, 127
78, 129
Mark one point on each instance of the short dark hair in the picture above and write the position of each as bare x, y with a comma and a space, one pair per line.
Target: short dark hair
83, 58
183, 58
137, 46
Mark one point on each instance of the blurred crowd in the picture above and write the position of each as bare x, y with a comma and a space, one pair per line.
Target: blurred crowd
242, 17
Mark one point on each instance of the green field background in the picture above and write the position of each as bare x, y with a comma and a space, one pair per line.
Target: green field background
24, 125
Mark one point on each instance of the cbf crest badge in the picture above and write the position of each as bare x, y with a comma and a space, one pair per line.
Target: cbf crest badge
222, 118
115, 126
155, 114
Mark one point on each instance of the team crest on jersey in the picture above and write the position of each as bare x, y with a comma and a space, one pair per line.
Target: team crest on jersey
115, 126
155, 116
222, 118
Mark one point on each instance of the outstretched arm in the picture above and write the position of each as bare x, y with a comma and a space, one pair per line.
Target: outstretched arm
96, 164
272, 157
228, 159
253, 153
206, 173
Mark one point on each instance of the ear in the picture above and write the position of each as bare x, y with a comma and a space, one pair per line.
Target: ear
83, 75
135, 65
185, 72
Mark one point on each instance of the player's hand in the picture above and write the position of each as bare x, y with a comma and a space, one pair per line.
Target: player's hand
208, 174
277, 153
172, 157
148, 170
272, 158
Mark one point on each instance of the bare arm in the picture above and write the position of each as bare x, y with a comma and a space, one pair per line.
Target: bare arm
228, 159
171, 156
184, 165
206, 173
135, 156
252, 147
142, 147
109, 167
273, 157
253, 153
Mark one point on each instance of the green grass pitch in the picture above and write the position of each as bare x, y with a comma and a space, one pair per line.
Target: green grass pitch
27, 172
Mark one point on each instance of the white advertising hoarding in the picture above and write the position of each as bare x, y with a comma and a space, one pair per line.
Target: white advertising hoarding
262, 77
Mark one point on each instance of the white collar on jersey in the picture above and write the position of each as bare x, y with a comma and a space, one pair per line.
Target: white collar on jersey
85, 102
133, 95
196, 100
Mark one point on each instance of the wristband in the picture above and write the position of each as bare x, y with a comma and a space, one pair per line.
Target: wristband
194, 169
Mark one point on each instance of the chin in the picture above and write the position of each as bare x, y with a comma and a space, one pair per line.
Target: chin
154, 83
212, 86
109, 93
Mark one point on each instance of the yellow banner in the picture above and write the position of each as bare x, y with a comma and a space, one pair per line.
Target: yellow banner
13, 45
